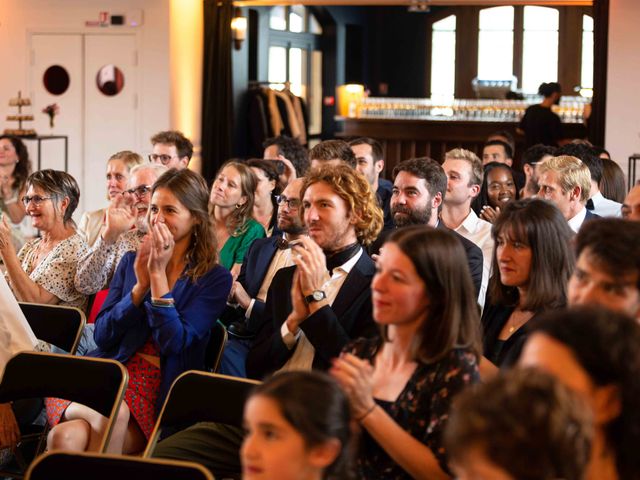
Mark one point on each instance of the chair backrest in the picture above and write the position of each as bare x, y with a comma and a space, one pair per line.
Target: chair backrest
55, 324
202, 397
94, 382
215, 347
79, 466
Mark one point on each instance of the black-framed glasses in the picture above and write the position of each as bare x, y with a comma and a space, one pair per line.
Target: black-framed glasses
164, 159
36, 199
140, 191
292, 203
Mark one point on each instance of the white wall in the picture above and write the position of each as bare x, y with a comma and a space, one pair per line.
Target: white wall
19, 17
622, 136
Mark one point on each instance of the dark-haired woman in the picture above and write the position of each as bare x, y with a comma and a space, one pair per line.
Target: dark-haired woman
297, 428
498, 189
14, 170
401, 384
595, 353
539, 124
265, 207
44, 268
231, 205
532, 263
162, 303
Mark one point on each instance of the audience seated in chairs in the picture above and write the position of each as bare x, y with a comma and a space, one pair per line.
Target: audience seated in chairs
498, 189
522, 425
162, 304
44, 269
297, 427
231, 207
595, 353
401, 384
531, 267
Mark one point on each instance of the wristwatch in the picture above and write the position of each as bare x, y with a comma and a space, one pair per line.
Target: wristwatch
315, 296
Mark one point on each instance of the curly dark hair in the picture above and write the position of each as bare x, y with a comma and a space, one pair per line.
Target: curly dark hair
587, 154
184, 147
292, 150
605, 344
525, 422
333, 150
23, 167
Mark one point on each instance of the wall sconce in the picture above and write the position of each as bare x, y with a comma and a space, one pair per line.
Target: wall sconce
238, 28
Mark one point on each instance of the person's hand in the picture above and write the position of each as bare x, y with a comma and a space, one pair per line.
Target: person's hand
239, 295
489, 213
300, 309
355, 377
312, 265
161, 248
140, 265
6, 242
9, 431
120, 217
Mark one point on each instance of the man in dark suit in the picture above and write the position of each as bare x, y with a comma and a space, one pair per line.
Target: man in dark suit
315, 308
419, 187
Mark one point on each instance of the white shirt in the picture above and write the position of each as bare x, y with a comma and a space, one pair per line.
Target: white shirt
605, 207
576, 221
479, 232
302, 358
15, 333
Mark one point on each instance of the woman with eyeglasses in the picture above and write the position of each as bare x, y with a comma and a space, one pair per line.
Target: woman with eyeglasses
44, 269
92, 224
231, 208
265, 207
15, 167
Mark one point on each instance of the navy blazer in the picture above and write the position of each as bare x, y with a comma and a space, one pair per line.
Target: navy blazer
254, 268
329, 329
181, 333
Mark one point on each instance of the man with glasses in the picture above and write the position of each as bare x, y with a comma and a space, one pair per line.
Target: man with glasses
125, 226
171, 149
263, 259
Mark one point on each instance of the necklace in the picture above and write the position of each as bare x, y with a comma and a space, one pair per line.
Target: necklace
517, 319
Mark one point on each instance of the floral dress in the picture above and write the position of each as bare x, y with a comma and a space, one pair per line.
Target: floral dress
421, 409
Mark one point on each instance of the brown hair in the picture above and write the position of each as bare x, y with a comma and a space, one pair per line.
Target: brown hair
333, 150
59, 185
129, 158
612, 184
525, 422
23, 167
539, 225
183, 145
191, 191
453, 320
270, 171
238, 221
376, 148
354, 189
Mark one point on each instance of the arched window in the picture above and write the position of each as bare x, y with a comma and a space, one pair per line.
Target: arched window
443, 58
586, 77
495, 43
540, 47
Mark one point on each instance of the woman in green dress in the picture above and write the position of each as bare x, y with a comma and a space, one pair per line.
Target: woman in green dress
231, 207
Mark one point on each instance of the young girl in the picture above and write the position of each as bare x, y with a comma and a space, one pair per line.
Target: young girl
297, 427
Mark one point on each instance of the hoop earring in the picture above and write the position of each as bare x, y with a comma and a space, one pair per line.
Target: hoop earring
238, 206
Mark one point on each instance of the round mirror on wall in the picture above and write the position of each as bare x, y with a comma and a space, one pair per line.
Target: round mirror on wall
56, 80
110, 80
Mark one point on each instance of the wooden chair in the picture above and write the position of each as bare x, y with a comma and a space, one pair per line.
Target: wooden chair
55, 324
80, 466
201, 397
215, 347
97, 383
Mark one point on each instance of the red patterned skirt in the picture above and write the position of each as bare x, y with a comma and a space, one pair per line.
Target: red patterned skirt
141, 395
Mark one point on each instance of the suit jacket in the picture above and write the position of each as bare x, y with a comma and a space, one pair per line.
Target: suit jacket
329, 329
473, 252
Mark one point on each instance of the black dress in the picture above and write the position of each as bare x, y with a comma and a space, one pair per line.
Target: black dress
421, 409
541, 125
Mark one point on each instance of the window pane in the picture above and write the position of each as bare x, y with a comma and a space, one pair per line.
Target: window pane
314, 25
297, 71
296, 18
277, 65
541, 18
315, 94
540, 47
278, 18
495, 44
443, 58
586, 76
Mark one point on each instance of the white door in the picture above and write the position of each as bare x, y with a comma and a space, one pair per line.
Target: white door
52, 57
110, 107
98, 124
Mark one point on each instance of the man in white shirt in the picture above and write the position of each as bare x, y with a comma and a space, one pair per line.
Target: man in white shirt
597, 204
566, 182
464, 178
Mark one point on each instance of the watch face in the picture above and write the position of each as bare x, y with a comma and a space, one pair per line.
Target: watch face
318, 295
